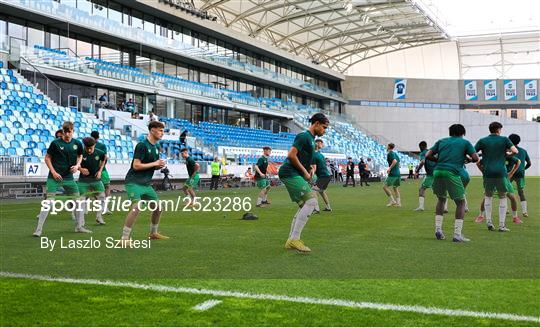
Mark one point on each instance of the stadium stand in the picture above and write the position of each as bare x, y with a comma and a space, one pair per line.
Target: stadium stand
29, 121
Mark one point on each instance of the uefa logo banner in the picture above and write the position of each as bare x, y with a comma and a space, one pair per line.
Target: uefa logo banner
531, 90
510, 90
490, 89
400, 88
471, 92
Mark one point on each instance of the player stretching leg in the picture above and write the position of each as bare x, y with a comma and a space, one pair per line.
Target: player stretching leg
145, 161
105, 174
193, 173
90, 183
451, 154
428, 179
494, 150
63, 158
394, 177
295, 175
320, 170
261, 177
519, 176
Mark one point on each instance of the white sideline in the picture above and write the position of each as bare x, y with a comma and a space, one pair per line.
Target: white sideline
283, 298
206, 305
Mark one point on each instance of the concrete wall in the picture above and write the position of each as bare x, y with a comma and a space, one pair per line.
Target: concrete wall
427, 91
406, 127
418, 90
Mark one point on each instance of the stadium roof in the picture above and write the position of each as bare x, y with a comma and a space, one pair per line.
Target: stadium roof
334, 33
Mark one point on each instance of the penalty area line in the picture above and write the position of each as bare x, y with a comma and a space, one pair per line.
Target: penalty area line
282, 298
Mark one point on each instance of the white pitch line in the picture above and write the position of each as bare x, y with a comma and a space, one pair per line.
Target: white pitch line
206, 305
283, 298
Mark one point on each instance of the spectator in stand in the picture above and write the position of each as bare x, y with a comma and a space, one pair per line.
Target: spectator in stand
183, 137
249, 174
130, 105
104, 98
153, 117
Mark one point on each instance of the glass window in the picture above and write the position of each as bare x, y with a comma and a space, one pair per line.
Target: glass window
84, 5
193, 74
126, 16
3, 33
169, 67
36, 36
157, 64
84, 49
68, 44
110, 53
197, 113
142, 62
233, 117
160, 109
186, 36
16, 29
203, 76
136, 19
100, 8
514, 113
182, 72
115, 11
149, 24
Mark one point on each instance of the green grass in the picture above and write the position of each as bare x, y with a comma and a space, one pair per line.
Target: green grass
362, 251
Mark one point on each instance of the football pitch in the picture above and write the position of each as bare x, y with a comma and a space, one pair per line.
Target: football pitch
370, 266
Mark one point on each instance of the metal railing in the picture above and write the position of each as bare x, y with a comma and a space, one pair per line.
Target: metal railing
12, 166
35, 76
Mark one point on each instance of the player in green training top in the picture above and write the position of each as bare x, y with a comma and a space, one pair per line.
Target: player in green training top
105, 178
321, 175
429, 166
63, 158
512, 165
138, 188
494, 150
90, 183
519, 176
262, 178
394, 177
451, 153
295, 175
193, 176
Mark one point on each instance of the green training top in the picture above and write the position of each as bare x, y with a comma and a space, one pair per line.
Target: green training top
451, 153
523, 156
510, 162
262, 164
146, 153
101, 146
64, 156
429, 166
392, 155
91, 162
190, 164
320, 161
304, 142
493, 149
